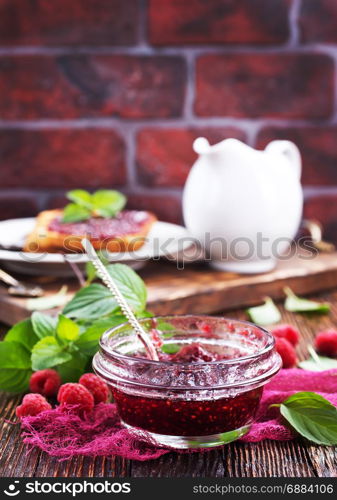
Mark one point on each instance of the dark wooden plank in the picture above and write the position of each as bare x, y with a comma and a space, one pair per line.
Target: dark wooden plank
268, 458
206, 464
199, 289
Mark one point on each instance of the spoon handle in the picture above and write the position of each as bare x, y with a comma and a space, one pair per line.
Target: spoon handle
111, 285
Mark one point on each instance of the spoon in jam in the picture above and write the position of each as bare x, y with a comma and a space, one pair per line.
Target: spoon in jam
112, 286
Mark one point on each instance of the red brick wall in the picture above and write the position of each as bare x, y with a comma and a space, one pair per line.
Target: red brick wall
112, 93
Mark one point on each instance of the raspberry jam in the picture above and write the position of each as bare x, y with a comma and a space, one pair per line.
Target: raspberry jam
125, 222
204, 390
188, 418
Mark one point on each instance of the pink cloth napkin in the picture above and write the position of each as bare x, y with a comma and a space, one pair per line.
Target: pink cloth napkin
64, 435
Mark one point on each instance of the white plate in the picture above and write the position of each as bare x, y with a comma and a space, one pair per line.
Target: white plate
164, 240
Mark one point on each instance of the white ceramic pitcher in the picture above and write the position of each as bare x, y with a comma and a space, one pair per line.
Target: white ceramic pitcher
244, 205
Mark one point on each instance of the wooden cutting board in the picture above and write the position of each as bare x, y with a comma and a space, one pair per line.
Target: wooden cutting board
199, 289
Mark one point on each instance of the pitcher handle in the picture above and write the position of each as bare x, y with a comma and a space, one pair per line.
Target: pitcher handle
288, 149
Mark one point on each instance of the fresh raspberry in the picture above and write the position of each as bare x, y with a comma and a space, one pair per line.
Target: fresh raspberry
286, 351
76, 394
32, 404
326, 342
46, 382
288, 332
96, 386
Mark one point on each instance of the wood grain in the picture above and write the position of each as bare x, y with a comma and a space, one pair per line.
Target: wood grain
267, 458
199, 289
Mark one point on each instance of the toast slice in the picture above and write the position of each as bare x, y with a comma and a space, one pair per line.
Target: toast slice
124, 233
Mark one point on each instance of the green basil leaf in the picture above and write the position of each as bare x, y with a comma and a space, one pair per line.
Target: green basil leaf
74, 368
67, 329
80, 197
170, 348
43, 324
107, 202
75, 213
22, 333
89, 340
267, 314
144, 314
91, 302
42, 303
48, 353
130, 285
13, 380
324, 363
15, 367
293, 303
14, 355
90, 272
317, 363
312, 416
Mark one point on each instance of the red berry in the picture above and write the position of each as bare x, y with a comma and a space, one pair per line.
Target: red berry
286, 351
46, 382
96, 386
326, 342
75, 394
32, 404
287, 332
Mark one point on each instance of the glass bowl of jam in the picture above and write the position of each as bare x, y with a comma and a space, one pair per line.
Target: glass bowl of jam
206, 387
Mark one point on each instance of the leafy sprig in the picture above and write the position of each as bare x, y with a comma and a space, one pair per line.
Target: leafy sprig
266, 314
68, 342
312, 416
293, 303
102, 203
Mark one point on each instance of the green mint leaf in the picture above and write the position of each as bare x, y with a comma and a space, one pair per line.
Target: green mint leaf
43, 324
74, 368
267, 314
107, 202
293, 303
42, 303
317, 363
91, 302
131, 286
324, 363
22, 333
67, 329
48, 353
170, 348
90, 269
144, 314
15, 369
90, 272
80, 197
312, 416
89, 340
75, 213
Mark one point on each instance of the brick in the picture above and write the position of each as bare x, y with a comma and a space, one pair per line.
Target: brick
81, 86
324, 209
61, 158
265, 85
68, 22
318, 149
166, 207
318, 21
218, 21
17, 205
165, 156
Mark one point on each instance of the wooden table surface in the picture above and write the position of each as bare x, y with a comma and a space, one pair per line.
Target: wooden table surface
264, 459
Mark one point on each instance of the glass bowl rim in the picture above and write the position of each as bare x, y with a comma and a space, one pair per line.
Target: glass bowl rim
116, 355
